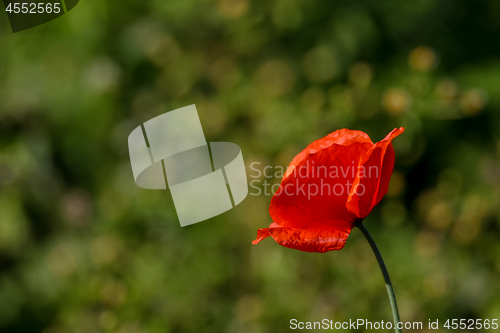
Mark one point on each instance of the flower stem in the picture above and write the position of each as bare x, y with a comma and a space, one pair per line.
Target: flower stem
388, 283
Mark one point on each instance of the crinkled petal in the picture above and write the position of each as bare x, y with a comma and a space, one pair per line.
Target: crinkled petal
315, 194
264, 233
309, 240
342, 137
372, 180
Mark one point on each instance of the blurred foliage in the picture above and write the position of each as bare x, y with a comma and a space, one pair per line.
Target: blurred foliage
83, 249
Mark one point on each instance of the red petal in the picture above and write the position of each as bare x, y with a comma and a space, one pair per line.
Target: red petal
315, 194
261, 234
309, 240
264, 233
370, 187
343, 137
387, 167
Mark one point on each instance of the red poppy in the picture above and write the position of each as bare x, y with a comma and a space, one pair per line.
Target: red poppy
328, 188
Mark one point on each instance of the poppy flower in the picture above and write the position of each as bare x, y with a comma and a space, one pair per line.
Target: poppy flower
328, 189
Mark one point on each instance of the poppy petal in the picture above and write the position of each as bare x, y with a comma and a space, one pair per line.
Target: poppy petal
372, 179
343, 137
315, 194
263, 233
385, 177
309, 240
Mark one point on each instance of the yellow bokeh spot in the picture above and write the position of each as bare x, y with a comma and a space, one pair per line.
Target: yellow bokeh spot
423, 58
275, 78
473, 101
440, 215
233, 8
396, 101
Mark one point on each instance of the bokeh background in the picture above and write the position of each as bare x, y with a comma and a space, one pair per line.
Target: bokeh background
83, 249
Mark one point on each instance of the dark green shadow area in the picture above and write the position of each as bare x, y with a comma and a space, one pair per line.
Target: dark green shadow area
70, 4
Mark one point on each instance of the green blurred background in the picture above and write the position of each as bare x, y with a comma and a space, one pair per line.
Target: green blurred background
83, 249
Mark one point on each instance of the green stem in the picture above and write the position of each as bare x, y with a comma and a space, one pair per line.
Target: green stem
388, 283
